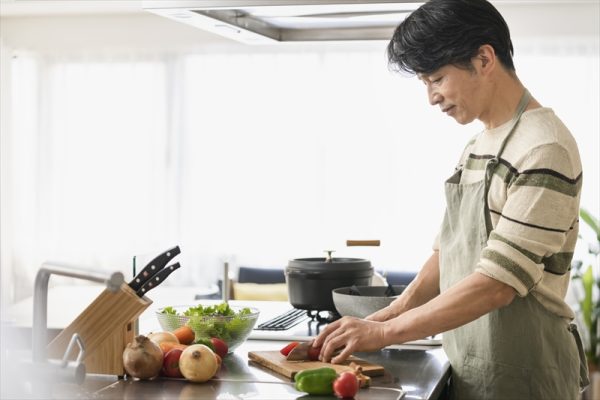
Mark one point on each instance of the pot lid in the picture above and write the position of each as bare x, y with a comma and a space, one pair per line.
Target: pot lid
330, 264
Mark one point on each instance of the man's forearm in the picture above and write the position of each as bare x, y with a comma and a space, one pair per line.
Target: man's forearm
423, 288
466, 301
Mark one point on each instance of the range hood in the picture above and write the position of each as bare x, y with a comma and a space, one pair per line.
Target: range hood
277, 21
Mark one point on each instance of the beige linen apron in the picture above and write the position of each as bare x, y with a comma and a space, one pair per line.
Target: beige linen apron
521, 351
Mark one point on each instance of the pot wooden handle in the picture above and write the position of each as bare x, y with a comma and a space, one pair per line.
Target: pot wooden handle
363, 242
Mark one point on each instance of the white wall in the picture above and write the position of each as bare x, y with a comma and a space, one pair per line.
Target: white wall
5, 122
139, 31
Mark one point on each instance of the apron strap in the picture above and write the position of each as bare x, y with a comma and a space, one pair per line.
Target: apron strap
493, 162
584, 379
525, 98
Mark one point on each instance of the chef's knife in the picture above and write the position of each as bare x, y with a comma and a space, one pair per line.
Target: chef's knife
157, 278
304, 352
153, 267
300, 352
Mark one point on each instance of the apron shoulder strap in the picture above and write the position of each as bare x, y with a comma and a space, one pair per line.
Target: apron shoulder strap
493, 162
525, 98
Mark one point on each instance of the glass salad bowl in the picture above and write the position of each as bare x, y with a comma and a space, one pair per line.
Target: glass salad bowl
231, 324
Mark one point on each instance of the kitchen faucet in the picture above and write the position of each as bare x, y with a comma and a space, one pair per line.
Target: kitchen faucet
113, 282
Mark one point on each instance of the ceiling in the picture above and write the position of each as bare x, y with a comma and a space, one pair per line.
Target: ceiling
22, 8
17, 8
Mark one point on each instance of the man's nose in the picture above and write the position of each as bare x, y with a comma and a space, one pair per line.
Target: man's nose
434, 97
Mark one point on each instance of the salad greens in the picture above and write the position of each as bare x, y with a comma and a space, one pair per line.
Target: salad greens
218, 320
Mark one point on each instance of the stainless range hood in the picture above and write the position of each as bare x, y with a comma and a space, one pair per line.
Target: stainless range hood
276, 21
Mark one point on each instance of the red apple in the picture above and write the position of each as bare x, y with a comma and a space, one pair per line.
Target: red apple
171, 364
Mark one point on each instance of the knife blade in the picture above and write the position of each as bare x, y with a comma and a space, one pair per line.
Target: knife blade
157, 279
153, 267
305, 352
300, 352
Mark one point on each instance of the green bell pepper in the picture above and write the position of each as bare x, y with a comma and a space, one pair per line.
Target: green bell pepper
316, 380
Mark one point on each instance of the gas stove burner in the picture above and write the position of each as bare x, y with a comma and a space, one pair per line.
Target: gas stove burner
323, 316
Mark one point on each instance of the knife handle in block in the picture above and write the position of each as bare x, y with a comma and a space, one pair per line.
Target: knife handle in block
153, 267
157, 279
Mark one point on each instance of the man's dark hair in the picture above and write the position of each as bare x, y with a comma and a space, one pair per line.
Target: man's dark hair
443, 32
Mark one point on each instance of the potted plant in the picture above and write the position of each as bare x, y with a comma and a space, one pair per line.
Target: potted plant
586, 279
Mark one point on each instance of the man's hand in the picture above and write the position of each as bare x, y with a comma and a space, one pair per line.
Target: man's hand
349, 334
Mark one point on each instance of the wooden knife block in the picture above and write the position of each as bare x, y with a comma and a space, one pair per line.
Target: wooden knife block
106, 327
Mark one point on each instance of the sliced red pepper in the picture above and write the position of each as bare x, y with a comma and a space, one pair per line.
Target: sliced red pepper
289, 347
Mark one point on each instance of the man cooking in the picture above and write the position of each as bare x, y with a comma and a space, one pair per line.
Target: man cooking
496, 281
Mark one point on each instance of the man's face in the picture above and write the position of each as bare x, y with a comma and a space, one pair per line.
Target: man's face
456, 91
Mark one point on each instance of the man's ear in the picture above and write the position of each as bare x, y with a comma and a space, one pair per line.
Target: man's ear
486, 58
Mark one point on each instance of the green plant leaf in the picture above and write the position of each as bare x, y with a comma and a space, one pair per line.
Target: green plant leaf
592, 221
587, 304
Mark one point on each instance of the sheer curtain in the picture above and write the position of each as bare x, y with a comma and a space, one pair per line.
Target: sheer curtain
90, 162
294, 152
253, 156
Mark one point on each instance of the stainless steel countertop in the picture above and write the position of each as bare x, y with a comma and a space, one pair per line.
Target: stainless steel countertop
422, 374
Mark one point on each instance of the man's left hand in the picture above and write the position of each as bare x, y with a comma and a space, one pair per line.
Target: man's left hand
349, 334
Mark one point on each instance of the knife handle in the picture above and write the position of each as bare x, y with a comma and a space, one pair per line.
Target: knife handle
153, 267
157, 279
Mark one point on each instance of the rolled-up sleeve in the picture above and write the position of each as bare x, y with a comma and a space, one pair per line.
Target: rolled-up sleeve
538, 218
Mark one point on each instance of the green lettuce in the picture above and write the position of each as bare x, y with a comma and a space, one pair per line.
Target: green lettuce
218, 320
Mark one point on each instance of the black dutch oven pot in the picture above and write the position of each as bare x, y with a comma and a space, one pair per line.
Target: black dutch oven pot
311, 280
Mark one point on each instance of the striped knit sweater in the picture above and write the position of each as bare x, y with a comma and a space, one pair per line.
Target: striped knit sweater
534, 205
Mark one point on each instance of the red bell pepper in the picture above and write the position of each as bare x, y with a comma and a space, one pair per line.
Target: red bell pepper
289, 347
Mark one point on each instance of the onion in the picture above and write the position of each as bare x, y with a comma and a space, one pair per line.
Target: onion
142, 358
198, 363
159, 337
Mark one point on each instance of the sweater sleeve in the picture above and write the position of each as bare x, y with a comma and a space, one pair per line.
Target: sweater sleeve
536, 221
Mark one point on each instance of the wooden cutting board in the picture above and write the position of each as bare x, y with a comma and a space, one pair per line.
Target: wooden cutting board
276, 362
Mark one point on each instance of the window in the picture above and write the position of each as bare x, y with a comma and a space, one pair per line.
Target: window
254, 156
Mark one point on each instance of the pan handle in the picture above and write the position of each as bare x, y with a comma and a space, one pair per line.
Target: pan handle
363, 243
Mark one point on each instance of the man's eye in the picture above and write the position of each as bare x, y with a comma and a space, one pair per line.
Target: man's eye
437, 80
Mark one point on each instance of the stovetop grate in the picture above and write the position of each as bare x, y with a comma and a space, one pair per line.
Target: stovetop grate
284, 321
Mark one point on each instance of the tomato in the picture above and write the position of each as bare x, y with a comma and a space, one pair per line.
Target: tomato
289, 347
171, 364
220, 347
313, 353
346, 385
